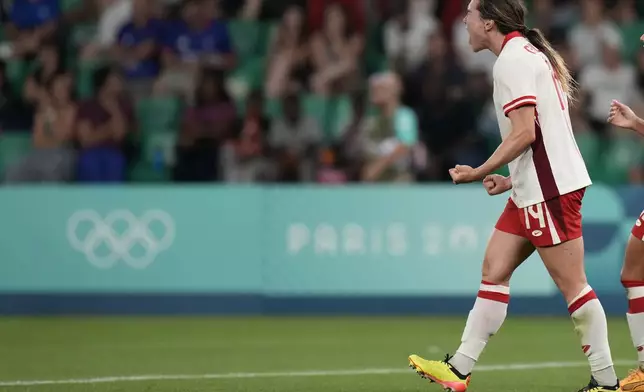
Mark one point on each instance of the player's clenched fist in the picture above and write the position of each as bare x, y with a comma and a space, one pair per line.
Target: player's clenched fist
462, 174
496, 184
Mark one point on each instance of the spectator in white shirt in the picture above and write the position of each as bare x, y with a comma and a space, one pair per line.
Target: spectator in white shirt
406, 36
606, 81
587, 37
114, 14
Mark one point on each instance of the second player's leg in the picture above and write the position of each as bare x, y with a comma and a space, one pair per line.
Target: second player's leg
633, 281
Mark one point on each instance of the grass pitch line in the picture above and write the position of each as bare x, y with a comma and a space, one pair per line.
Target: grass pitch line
312, 373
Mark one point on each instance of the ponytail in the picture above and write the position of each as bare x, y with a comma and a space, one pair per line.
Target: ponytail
537, 39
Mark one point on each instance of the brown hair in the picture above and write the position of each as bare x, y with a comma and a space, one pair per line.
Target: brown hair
509, 16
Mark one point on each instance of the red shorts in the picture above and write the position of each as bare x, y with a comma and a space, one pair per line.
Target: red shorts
638, 228
547, 223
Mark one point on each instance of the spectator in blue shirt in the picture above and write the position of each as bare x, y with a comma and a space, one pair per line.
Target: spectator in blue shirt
137, 49
198, 40
31, 22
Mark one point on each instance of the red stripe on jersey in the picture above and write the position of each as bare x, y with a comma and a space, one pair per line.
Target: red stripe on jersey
542, 164
488, 283
493, 296
636, 305
526, 97
581, 301
632, 283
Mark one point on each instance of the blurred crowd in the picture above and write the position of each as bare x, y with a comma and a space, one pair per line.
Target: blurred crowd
98, 91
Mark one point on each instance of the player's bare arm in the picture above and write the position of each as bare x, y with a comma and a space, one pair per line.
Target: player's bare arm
624, 117
519, 139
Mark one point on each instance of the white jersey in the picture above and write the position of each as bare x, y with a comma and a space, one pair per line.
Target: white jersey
552, 165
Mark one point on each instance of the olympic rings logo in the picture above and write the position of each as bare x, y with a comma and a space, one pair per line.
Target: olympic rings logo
138, 231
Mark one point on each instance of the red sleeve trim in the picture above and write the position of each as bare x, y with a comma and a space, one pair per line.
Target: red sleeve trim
525, 97
518, 106
528, 100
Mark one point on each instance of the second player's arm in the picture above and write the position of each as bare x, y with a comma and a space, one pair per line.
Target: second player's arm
639, 126
519, 139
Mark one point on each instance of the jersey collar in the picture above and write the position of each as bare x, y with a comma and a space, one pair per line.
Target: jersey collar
514, 34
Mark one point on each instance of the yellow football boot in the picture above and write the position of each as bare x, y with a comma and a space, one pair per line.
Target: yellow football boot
440, 372
594, 387
634, 382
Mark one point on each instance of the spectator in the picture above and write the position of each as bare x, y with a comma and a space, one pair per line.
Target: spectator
244, 158
205, 127
104, 123
196, 41
289, 53
353, 139
391, 141
439, 64
406, 37
113, 15
50, 64
355, 13
53, 157
630, 28
330, 167
541, 16
294, 138
13, 113
337, 50
587, 37
137, 49
32, 22
609, 80
445, 105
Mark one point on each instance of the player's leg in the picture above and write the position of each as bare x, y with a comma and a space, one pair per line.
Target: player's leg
561, 248
506, 250
633, 281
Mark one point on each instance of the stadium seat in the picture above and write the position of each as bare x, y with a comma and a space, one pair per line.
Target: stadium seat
341, 115
620, 155
157, 158
590, 148
273, 108
247, 77
67, 5
13, 146
17, 71
85, 77
159, 114
319, 108
82, 34
249, 38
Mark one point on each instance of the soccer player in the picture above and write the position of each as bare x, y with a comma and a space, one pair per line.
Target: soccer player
548, 178
633, 269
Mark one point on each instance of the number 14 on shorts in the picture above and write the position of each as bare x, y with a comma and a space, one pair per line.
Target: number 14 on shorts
547, 223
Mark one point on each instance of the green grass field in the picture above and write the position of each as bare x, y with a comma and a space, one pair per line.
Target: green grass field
283, 354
